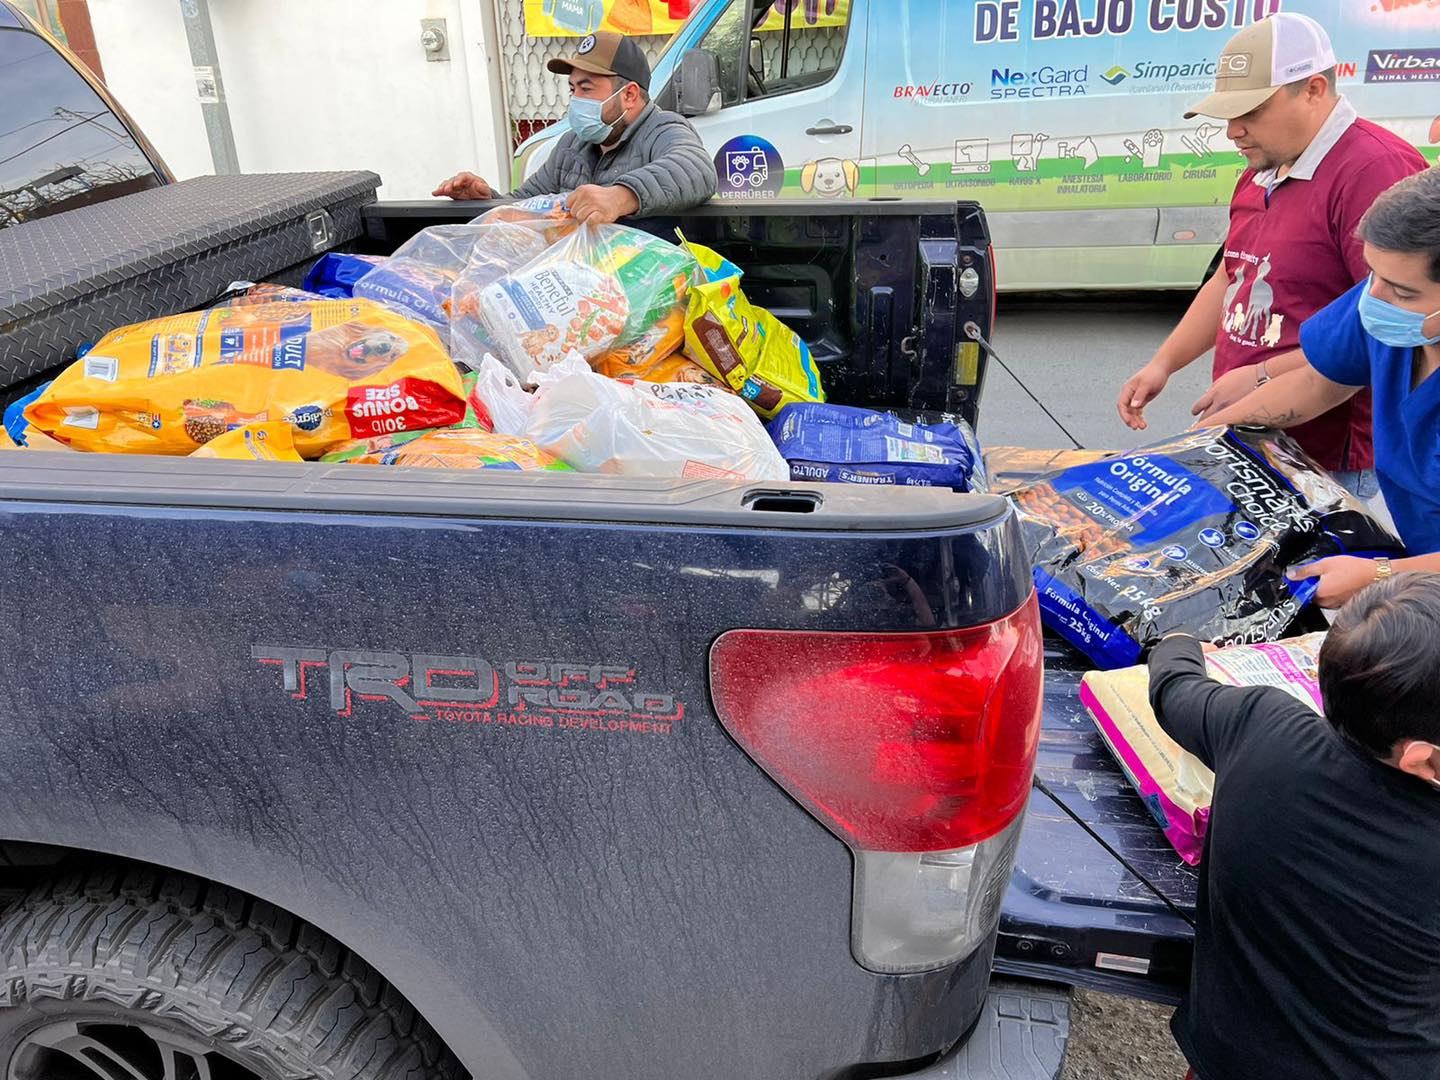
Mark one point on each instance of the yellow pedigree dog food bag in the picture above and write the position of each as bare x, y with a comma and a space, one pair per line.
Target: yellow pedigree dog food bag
331, 370
745, 346
273, 440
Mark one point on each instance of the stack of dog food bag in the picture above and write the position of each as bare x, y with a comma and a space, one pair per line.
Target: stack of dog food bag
1190, 534
519, 341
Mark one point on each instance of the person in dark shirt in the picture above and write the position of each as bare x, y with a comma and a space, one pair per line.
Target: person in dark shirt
1317, 934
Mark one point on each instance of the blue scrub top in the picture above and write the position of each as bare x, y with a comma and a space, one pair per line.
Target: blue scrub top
1406, 422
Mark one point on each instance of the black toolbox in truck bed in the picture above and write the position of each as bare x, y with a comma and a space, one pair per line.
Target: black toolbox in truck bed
65, 280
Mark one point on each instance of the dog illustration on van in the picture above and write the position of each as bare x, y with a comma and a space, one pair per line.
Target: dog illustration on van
830, 178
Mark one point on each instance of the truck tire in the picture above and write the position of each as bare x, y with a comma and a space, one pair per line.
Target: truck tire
142, 974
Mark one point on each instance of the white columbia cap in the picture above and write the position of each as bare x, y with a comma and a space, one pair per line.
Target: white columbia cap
1262, 58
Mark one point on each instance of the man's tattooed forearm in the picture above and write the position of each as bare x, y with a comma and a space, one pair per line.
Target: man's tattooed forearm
1273, 417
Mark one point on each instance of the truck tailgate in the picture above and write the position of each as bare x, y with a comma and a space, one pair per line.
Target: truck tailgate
1104, 901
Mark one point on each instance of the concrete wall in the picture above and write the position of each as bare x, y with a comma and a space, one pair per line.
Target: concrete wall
323, 84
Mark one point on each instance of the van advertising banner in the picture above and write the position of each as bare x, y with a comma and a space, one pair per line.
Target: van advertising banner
1079, 104
644, 18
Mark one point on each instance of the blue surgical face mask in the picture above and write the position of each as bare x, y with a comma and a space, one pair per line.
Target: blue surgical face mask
1391, 325
585, 118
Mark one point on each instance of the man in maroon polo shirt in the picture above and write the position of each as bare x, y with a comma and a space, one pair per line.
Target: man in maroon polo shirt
1314, 169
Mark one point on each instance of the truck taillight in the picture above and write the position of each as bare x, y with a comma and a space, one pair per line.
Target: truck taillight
916, 749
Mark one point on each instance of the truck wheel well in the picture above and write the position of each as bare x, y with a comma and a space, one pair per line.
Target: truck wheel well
28, 870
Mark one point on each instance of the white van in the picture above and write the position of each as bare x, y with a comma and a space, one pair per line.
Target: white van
1061, 117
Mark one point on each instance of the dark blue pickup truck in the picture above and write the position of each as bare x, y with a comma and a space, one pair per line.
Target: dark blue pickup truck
354, 772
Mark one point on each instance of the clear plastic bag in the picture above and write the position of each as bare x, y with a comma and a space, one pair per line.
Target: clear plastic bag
509, 237
601, 288
418, 279
601, 425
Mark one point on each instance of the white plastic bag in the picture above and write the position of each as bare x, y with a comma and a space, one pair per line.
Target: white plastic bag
507, 399
687, 430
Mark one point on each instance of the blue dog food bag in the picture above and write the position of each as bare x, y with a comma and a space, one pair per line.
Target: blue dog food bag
336, 273
1189, 535
840, 444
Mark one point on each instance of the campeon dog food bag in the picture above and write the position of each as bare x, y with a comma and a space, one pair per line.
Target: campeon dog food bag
1190, 534
332, 370
1176, 786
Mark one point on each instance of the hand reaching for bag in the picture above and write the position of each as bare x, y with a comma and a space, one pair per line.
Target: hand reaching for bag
1224, 392
591, 204
1340, 577
1142, 388
465, 185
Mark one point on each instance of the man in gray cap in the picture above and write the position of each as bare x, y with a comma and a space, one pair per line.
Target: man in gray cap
622, 156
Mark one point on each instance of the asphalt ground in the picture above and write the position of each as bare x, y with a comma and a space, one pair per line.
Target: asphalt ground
1074, 353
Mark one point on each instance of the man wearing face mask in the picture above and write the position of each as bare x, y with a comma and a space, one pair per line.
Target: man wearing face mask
1385, 334
1314, 167
623, 156
1317, 921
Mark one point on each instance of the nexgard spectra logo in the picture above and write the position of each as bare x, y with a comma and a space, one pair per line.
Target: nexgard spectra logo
1044, 82
1403, 65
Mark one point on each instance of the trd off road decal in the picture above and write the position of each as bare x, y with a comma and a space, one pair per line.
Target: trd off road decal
577, 697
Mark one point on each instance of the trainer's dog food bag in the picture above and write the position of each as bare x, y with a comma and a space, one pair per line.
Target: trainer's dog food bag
1175, 784
332, 370
1191, 534
845, 445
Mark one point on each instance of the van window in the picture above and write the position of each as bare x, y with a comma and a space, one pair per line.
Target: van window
811, 53
768, 61
726, 39
60, 145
